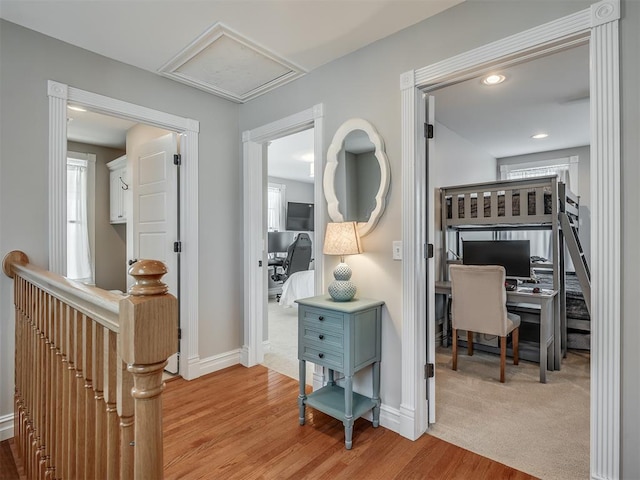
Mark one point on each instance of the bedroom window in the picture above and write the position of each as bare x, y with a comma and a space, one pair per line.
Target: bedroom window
80, 222
275, 207
566, 169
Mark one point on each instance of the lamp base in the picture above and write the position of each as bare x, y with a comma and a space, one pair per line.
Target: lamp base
342, 290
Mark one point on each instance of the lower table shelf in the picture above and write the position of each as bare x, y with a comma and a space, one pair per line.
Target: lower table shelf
330, 400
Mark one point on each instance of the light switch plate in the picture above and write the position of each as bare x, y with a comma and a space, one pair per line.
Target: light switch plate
397, 249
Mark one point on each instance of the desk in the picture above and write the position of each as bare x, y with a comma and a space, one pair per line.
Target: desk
549, 326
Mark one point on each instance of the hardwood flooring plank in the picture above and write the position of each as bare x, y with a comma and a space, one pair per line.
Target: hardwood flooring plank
242, 423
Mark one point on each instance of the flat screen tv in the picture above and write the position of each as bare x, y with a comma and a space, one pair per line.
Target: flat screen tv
299, 217
513, 255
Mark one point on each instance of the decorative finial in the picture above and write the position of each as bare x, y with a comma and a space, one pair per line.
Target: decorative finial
148, 274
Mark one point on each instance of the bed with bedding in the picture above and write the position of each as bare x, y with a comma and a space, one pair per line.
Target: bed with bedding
298, 285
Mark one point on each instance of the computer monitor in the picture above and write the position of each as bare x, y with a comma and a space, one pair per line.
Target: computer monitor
299, 217
278, 242
513, 255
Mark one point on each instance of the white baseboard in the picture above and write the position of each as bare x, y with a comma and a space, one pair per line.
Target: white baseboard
218, 362
390, 418
266, 346
6, 426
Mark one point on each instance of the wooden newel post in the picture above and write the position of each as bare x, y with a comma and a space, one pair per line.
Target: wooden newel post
148, 337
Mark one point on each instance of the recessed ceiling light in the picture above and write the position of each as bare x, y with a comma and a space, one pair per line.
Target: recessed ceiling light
538, 136
493, 79
76, 109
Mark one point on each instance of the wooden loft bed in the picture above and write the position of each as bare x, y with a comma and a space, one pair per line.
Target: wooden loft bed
526, 204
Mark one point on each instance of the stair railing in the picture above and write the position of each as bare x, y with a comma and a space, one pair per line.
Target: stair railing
88, 373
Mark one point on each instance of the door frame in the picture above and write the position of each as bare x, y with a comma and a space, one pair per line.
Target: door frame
60, 95
255, 251
599, 26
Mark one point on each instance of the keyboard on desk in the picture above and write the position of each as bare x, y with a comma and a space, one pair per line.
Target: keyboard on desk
530, 290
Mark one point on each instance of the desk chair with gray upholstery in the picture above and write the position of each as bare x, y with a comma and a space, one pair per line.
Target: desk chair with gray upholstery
298, 257
478, 304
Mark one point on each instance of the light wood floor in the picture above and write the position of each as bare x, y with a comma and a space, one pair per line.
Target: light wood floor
242, 423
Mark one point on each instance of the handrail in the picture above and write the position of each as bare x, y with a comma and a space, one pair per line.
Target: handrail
88, 370
101, 305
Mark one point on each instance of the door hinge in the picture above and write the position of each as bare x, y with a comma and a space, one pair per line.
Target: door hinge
428, 250
429, 370
179, 334
428, 130
177, 247
177, 159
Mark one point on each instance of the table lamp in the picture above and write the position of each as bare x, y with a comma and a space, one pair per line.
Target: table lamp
342, 239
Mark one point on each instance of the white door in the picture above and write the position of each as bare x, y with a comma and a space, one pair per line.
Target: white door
429, 227
155, 210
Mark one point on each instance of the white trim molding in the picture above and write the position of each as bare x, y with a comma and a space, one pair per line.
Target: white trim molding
59, 96
218, 362
597, 25
6, 427
254, 194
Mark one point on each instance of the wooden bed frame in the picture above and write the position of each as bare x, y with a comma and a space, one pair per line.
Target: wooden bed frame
503, 211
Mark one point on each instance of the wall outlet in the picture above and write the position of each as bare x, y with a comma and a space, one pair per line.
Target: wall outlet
397, 249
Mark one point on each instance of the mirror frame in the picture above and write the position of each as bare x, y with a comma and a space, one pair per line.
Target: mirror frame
328, 181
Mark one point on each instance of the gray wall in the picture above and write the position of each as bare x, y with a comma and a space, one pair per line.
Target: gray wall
111, 242
630, 326
366, 84
28, 60
295, 191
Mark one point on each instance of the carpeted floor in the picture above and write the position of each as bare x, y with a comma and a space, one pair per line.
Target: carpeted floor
282, 355
541, 429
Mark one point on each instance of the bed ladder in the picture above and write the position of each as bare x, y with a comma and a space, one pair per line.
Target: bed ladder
577, 255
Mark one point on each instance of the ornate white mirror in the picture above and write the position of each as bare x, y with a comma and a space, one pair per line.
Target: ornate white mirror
356, 177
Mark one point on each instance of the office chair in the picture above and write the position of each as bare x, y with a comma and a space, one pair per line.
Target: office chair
298, 257
478, 304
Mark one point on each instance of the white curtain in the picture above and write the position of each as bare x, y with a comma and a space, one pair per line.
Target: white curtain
275, 207
78, 251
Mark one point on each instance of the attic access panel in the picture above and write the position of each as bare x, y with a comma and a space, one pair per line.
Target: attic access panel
226, 64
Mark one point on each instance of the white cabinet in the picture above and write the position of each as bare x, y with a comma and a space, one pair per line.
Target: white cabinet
119, 184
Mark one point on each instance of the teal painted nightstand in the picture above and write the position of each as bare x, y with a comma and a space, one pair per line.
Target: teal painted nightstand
344, 337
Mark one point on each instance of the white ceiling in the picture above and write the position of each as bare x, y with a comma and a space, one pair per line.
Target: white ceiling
164, 36
549, 93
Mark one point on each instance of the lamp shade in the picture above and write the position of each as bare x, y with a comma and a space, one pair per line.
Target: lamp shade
342, 239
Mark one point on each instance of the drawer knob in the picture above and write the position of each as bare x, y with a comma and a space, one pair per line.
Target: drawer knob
321, 318
321, 337
321, 355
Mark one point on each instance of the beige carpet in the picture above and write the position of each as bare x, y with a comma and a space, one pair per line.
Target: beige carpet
541, 429
282, 355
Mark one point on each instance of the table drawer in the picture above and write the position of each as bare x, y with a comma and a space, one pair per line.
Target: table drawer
321, 319
322, 336
327, 358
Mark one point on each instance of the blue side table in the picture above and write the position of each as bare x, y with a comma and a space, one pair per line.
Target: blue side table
345, 338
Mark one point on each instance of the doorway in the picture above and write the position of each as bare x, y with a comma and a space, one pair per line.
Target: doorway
600, 24
518, 107
60, 96
289, 219
255, 150
133, 202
